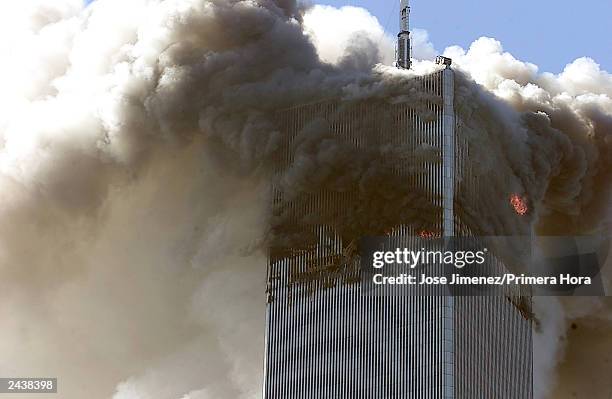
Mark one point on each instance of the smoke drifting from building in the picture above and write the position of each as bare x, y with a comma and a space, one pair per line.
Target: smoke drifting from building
135, 145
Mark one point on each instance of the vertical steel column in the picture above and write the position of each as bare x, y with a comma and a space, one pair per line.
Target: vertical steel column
448, 199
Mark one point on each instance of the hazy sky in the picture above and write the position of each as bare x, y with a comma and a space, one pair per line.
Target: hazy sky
548, 33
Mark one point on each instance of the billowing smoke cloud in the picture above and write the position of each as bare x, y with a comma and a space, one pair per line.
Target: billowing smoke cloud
129, 244
136, 140
571, 113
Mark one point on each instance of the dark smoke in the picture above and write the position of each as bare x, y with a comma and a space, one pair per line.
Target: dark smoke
137, 143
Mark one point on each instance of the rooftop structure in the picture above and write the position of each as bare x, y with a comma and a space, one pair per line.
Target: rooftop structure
403, 52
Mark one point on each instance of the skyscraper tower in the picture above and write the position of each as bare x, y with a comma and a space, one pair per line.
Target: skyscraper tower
327, 336
403, 37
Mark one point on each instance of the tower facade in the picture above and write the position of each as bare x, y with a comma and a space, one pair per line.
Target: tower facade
327, 338
403, 52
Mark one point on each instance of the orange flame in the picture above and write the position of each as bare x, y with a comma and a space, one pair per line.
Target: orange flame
519, 204
428, 234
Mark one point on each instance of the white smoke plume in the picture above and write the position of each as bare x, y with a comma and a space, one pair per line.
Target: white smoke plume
135, 141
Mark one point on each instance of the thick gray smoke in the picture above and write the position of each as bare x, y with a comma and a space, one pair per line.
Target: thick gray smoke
565, 164
136, 140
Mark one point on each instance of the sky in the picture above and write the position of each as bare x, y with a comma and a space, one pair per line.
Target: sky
548, 33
